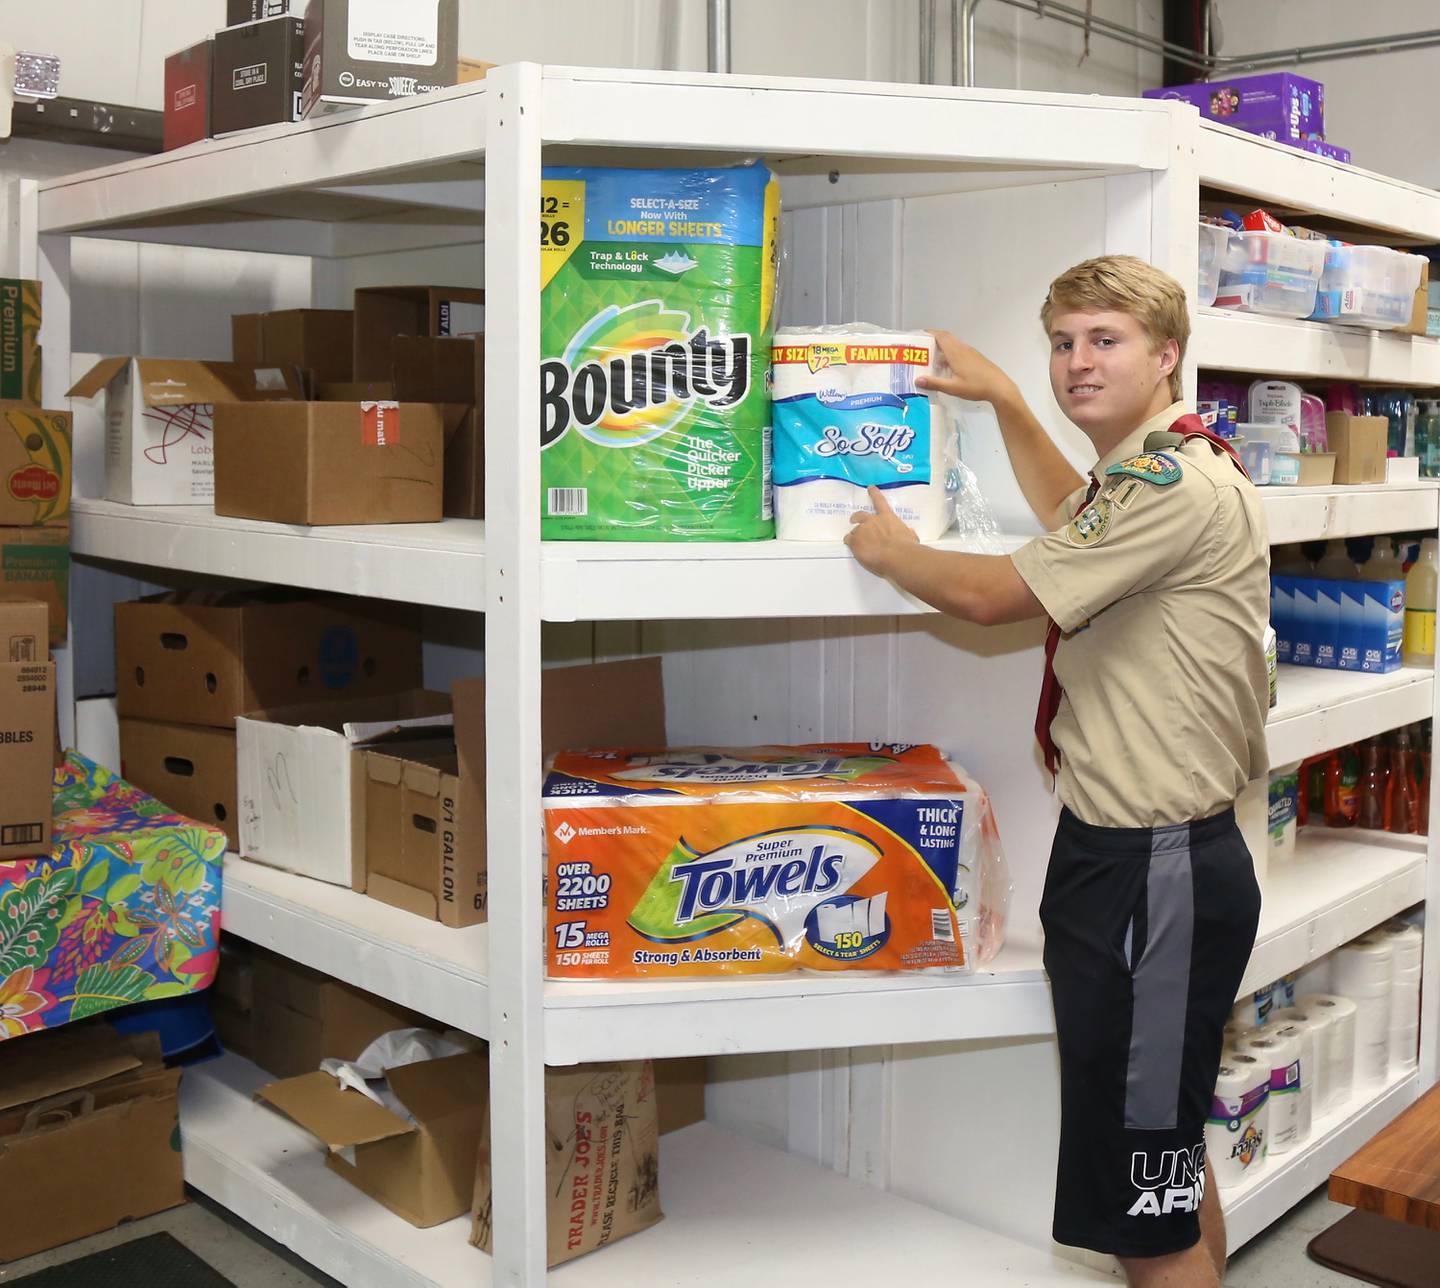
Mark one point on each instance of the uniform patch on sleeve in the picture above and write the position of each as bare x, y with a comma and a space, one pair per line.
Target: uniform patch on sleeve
1159, 468
1123, 492
1088, 528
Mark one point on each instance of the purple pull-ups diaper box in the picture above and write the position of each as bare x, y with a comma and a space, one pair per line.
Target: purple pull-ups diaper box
1275, 105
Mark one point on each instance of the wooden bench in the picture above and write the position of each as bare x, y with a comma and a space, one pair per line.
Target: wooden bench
1398, 1173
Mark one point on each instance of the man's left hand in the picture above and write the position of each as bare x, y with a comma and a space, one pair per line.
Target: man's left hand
874, 537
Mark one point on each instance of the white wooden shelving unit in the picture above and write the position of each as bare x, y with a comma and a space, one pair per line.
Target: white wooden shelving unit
867, 166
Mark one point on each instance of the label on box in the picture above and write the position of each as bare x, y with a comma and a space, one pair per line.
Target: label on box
185, 97
461, 319
379, 424
249, 77
269, 379
384, 32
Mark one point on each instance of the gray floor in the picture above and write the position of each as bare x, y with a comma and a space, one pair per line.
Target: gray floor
1275, 1259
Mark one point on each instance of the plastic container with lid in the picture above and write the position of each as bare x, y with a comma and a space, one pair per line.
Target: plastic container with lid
1214, 244
1370, 286
1271, 273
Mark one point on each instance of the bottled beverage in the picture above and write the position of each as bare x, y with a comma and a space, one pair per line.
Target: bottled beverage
1402, 800
1427, 440
1374, 771
1342, 788
1419, 645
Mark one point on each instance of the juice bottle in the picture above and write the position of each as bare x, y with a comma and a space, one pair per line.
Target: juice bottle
1419, 646
1374, 771
1342, 788
1402, 800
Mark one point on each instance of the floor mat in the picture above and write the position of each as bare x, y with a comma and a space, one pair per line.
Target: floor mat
1380, 1251
156, 1261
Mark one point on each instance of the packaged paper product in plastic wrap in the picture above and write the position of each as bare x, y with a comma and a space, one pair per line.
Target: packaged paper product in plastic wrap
716, 861
658, 300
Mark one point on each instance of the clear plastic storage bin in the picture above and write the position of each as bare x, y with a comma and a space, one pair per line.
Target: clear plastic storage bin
1370, 286
1214, 241
1271, 273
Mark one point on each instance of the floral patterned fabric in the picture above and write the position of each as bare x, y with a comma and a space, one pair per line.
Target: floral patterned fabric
125, 909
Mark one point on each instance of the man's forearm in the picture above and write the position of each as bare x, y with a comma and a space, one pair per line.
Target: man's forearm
985, 589
1045, 476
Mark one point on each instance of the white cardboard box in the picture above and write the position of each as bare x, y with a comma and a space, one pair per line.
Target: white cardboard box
159, 422
293, 778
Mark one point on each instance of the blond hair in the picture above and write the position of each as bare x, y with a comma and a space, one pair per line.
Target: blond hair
1125, 284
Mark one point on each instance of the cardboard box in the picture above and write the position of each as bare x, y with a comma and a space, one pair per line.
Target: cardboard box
205, 658
294, 767
1274, 105
384, 312
471, 69
27, 731
1360, 444
604, 1183
188, 767
89, 1136
321, 463
35, 454
187, 96
450, 371
409, 830
159, 418
423, 1171
320, 342
680, 1092
238, 11
35, 564
20, 341
301, 1017
580, 706
355, 390
259, 72
364, 51
235, 976
1420, 312
1317, 469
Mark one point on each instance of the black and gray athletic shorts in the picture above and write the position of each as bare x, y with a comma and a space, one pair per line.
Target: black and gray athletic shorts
1147, 934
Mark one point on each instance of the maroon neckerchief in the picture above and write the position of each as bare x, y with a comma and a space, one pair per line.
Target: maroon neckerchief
1188, 426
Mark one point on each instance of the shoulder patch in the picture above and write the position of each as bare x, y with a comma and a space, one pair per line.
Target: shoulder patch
1088, 528
1159, 468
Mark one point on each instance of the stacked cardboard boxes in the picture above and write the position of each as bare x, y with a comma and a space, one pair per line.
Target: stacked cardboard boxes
27, 730
188, 664
34, 467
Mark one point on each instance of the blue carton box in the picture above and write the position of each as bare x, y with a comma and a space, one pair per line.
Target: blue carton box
1384, 627
1327, 622
1303, 624
1282, 615
1352, 625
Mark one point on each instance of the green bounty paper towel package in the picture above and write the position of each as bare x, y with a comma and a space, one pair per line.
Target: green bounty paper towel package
658, 297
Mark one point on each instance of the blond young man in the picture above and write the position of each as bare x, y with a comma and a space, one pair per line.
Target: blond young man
1155, 580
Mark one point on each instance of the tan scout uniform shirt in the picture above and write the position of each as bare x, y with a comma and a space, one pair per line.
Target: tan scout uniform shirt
1162, 593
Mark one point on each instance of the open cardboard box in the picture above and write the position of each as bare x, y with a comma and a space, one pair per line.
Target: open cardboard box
318, 341
191, 768
384, 312
89, 1135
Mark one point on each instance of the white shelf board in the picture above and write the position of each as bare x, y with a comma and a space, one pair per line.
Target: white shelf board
1233, 161
1318, 709
1318, 513
421, 563
733, 1210
1285, 1179
421, 964
1249, 342
1340, 883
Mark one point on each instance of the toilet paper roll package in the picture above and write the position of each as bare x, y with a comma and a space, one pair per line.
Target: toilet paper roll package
1283, 1056
657, 307
1339, 1043
1236, 1130
717, 861
1317, 1023
848, 415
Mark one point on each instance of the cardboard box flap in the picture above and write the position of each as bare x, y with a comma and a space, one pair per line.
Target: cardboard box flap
434, 1090
167, 382
334, 1115
385, 712
66, 1061
382, 735
100, 375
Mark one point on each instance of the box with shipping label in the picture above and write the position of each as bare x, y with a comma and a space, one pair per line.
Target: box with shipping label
20, 341
35, 564
259, 70
318, 341
294, 769
204, 658
603, 1183
316, 463
159, 420
366, 51
384, 312
187, 96
302, 1017
35, 453
1360, 444
72, 1101
191, 768
27, 731
420, 1164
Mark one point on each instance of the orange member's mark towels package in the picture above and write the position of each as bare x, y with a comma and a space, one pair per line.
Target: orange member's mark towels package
715, 861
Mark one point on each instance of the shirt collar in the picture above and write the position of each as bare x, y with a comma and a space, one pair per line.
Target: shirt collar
1134, 443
